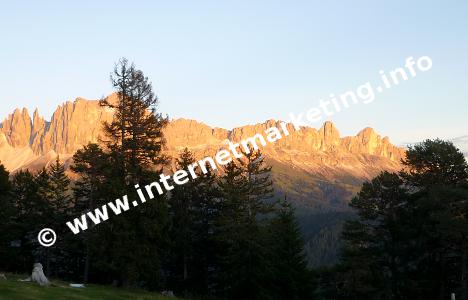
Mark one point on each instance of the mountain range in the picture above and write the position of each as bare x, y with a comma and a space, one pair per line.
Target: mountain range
316, 169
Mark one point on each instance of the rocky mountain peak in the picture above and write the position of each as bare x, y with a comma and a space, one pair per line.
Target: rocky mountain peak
74, 124
17, 128
330, 135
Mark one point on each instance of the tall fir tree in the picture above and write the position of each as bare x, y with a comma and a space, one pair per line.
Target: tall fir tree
135, 133
205, 212
374, 242
193, 210
290, 277
181, 228
7, 226
58, 194
135, 141
91, 164
245, 191
53, 188
32, 213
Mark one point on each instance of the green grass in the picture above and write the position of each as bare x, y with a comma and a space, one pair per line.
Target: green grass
12, 289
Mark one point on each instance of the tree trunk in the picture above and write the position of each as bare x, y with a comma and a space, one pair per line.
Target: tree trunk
442, 279
48, 262
464, 275
86, 266
185, 268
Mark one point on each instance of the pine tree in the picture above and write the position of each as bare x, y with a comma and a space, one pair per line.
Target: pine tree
135, 140
44, 193
290, 277
135, 134
434, 162
245, 190
31, 214
374, 242
58, 193
205, 211
193, 209
5, 185
437, 174
440, 225
91, 164
409, 240
182, 228
7, 215
53, 188
259, 183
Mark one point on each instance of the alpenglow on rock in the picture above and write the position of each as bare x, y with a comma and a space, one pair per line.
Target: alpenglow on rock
75, 124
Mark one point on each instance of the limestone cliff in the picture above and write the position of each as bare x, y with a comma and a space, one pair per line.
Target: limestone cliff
28, 143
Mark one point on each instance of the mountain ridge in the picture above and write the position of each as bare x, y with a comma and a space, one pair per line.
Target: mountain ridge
314, 164
317, 170
74, 124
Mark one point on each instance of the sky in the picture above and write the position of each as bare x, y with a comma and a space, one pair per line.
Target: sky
231, 63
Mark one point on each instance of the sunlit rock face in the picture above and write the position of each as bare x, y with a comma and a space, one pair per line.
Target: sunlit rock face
300, 160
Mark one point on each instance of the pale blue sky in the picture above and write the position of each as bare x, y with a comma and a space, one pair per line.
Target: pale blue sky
238, 62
